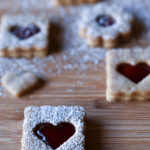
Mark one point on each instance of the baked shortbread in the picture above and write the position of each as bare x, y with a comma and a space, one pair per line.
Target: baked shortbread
19, 84
24, 35
128, 74
53, 127
105, 24
72, 2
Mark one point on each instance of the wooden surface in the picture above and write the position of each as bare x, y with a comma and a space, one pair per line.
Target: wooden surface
110, 126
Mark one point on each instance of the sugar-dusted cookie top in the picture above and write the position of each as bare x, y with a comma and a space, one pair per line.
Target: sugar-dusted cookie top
104, 23
128, 74
23, 35
53, 117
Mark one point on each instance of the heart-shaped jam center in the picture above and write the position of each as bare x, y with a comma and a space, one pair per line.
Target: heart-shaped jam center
54, 136
105, 20
135, 73
24, 32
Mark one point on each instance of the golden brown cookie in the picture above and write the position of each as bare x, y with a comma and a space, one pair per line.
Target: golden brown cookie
19, 83
72, 2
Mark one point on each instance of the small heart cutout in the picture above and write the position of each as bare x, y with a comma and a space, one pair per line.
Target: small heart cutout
24, 32
54, 136
135, 73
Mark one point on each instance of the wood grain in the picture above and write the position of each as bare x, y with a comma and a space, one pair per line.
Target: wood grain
110, 126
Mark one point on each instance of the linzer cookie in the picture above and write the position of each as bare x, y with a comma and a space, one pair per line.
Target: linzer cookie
24, 36
72, 2
49, 128
128, 74
105, 25
19, 84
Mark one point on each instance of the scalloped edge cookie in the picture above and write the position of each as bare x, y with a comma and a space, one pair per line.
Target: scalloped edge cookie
119, 87
107, 37
36, 45
73, 2
54, 115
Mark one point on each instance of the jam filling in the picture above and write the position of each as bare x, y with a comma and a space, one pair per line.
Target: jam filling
24, 32
54, 136
135, 73
105, 20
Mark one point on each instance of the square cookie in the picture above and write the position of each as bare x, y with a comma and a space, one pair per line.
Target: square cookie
53, 127
24, 35
128, 74
73, 2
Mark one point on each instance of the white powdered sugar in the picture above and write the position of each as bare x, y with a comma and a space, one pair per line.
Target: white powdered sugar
54, 115
92, 29
73, 55
9, 43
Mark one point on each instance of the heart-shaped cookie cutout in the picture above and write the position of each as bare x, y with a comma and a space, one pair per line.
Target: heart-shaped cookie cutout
135, 73
20, 83
54, 136
24, 32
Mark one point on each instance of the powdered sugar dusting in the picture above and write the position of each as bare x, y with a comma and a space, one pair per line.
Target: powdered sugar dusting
75, 56
54, 115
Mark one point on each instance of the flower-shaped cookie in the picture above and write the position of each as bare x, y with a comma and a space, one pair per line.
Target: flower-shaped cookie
105, 24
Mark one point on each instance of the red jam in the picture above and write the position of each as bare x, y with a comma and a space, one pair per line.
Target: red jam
135, 73
54, 136
105, 20
24, 32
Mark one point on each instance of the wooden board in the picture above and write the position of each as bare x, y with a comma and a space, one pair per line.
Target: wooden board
110, 126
